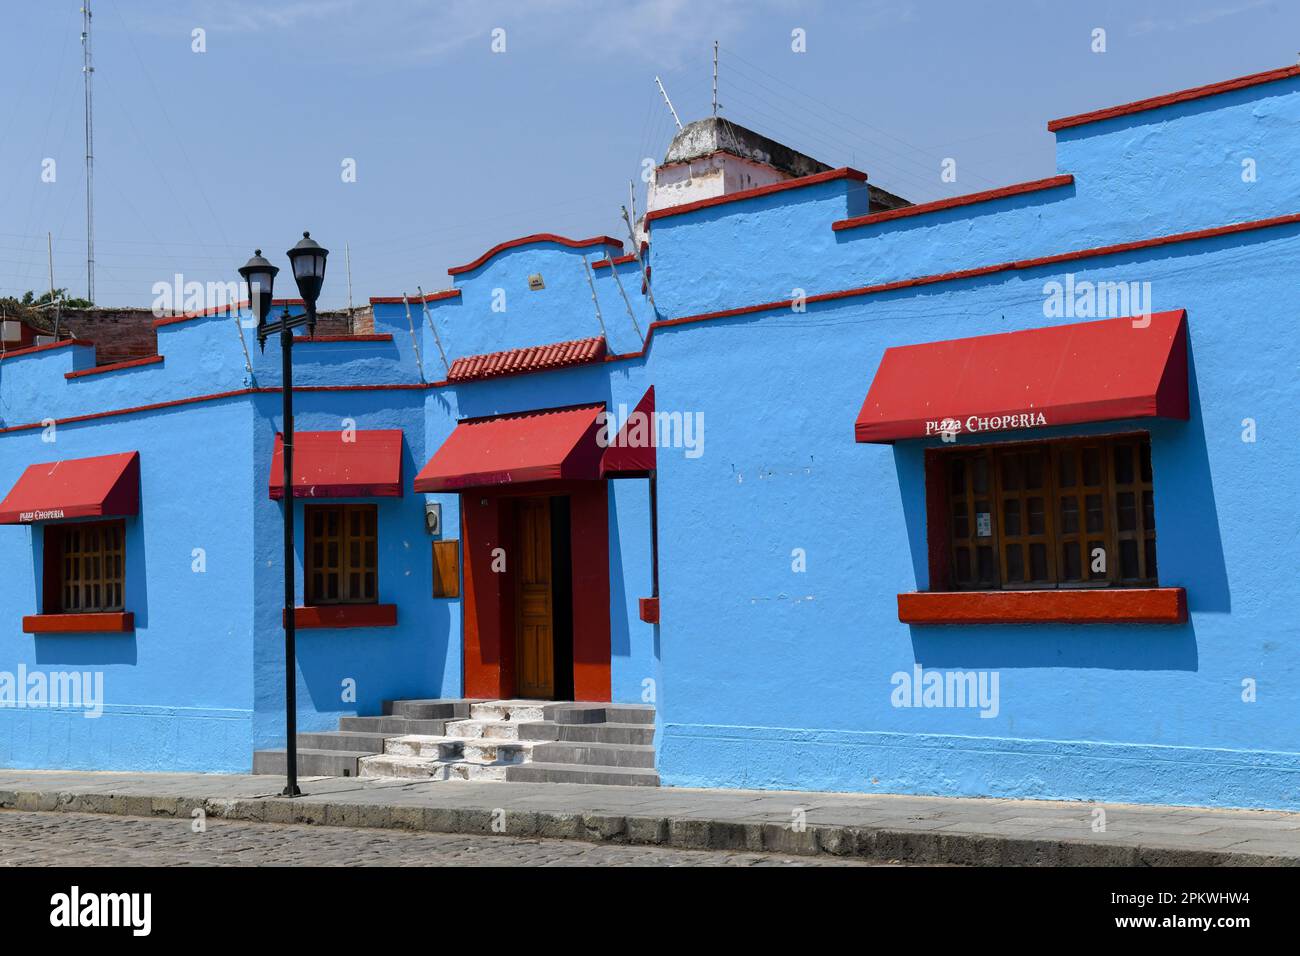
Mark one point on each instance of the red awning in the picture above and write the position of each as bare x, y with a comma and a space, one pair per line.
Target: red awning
530, 446
1063, 375
105, 486
349, 464
632, 452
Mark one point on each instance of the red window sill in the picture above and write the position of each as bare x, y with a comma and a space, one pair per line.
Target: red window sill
1050, 606
344, 615
108, 622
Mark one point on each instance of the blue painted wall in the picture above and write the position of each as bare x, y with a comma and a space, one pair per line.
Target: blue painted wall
764, 675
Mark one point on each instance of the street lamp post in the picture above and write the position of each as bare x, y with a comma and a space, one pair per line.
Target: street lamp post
307, 259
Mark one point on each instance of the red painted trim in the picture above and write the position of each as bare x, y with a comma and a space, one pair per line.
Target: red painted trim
618, 261
113, 367
111, 622
1169, 99
343, 615
970, 199
844, 172
530, 240
1286, 220
1049, 606
648, 609
428, 297
45, 348
377, 337
218, 310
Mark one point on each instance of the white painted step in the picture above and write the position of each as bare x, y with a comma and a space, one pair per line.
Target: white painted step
426, 746
516, 710
496, 729
422, 768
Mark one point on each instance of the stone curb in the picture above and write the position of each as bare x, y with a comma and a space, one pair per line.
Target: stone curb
877, 843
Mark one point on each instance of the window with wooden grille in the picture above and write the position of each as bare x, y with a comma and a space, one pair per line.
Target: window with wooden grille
88, 562
342, 565
1060, 514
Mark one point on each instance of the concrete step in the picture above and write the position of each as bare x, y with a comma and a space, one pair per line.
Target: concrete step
599, 733
584, 712
422, 768
311, 763
392, 725
496, 729
595, 754
572, 773
445, 708
498, 710
344, 740
487, 750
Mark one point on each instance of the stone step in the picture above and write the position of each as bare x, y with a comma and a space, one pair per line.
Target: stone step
496, 729
422, 768
343, 740
392, 725
445, 708
311, 763
599, 733
486, 750
590, 753
583, 712
498, 710
426, 747
572, 773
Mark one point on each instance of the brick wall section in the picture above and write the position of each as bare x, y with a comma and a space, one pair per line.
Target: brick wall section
122, 334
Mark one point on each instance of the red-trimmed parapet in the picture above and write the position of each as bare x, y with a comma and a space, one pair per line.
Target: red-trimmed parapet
970, 199
115, 367
531, 240
344, 615
364, 337
844, 172
105, 622
1047, 606
648, 609
1169, 99
34, 349
536, 358
415, 299
218, 310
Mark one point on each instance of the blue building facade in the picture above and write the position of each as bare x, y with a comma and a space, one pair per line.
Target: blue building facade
911, 612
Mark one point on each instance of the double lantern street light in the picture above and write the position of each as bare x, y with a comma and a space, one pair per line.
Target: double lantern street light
308, 261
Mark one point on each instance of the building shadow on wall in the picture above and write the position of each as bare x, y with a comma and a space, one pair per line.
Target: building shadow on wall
1190, 550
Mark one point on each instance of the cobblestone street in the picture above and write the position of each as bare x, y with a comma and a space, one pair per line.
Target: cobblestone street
83, 839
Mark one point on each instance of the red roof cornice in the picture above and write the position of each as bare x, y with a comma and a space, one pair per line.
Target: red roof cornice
428, 297
844, 172
535, 358
1169, 99
530, 240
969, 199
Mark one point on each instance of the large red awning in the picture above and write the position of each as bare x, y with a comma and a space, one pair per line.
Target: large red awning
507, 449
348, 464
1063, 375
104, 486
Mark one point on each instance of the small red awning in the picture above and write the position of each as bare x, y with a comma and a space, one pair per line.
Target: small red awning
104, 486
348, 464
1062, 375
632, 452
507, 449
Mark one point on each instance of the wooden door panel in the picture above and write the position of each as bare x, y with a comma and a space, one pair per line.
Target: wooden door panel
535, 637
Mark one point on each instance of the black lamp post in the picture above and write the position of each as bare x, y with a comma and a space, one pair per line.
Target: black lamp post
308, 261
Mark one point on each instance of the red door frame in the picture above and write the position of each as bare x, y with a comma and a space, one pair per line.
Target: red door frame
489, 619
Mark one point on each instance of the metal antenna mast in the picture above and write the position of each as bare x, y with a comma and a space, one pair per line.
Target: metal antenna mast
88, 70
715, 77
664, 93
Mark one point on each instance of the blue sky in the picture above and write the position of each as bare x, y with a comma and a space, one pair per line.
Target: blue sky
199, 157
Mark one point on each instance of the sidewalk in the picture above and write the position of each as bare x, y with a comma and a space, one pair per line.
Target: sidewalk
911, 829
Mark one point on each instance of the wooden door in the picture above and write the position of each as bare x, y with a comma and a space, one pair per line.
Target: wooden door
535, 626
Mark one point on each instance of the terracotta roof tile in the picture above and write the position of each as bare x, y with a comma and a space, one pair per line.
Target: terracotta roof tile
536, 358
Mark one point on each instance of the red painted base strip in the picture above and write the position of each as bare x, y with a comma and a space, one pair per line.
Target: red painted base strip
344, 615
109, 622
1055, 606
649, 609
